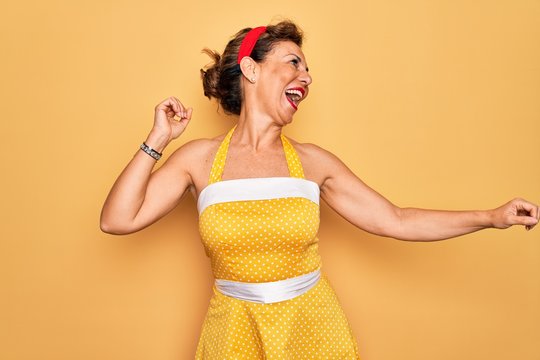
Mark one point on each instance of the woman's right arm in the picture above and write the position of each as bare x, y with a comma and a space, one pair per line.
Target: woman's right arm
139, 197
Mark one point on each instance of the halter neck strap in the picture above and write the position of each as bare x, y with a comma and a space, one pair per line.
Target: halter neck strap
293, 160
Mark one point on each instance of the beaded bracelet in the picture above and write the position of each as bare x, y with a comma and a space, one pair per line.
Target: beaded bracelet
153, 153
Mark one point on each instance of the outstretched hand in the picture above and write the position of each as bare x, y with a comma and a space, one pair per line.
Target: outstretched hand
516, 212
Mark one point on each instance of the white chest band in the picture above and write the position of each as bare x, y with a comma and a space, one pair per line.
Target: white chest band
269, 292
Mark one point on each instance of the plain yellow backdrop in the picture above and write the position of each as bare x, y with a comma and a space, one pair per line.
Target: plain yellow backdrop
433, 103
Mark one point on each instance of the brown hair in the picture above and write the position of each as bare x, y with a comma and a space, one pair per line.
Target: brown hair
221, 80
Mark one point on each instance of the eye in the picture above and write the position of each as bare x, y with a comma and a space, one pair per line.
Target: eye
295, 62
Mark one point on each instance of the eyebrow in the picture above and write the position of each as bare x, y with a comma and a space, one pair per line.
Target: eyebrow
298, 58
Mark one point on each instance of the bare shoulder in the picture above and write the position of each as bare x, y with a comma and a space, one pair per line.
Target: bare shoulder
310, 150
195, 158
319, 164
197, 150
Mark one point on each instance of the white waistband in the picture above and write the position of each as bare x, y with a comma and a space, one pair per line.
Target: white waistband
269, 292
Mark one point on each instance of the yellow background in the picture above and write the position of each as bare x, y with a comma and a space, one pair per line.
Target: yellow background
433, 103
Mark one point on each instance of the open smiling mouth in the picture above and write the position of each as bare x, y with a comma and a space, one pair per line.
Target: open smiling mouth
294, 96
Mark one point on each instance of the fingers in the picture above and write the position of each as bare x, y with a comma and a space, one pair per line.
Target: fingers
177, 106
535, 214
188, 113
171, 103
173, 107
171, 118
527, 214
179, 109
517, 212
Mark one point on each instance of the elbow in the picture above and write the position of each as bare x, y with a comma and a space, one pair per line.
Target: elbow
108, 228
394, 227
113, 228
404, 230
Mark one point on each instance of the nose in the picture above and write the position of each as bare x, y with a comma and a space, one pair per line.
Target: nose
305, 78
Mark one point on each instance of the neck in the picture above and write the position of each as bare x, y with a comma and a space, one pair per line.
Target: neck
257, 131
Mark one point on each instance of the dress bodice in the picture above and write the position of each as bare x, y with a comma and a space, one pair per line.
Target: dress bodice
260, 229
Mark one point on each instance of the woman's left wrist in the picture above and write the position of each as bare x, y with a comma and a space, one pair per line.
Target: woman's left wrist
489, 218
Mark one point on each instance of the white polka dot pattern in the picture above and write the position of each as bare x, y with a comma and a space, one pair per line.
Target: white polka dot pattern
261, 241
310, 326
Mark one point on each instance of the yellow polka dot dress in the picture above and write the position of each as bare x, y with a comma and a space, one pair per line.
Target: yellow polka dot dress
265, 230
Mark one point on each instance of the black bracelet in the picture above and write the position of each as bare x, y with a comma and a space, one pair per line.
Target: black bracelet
153, 153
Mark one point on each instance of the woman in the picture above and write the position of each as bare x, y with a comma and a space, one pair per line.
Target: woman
258, 200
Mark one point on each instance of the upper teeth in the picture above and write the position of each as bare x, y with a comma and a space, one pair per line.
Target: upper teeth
294, 92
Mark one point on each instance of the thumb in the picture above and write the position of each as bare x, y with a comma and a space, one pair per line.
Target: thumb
523, 220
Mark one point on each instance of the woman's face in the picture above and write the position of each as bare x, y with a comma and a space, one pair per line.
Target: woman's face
283, 80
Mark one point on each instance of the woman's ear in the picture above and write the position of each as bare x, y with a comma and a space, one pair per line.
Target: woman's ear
248, 67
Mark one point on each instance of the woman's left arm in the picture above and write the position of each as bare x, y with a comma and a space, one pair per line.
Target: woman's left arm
349, 196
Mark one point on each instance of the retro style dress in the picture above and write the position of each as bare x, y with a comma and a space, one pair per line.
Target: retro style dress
262, 230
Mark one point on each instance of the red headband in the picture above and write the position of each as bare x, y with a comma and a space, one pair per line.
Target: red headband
249, 41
